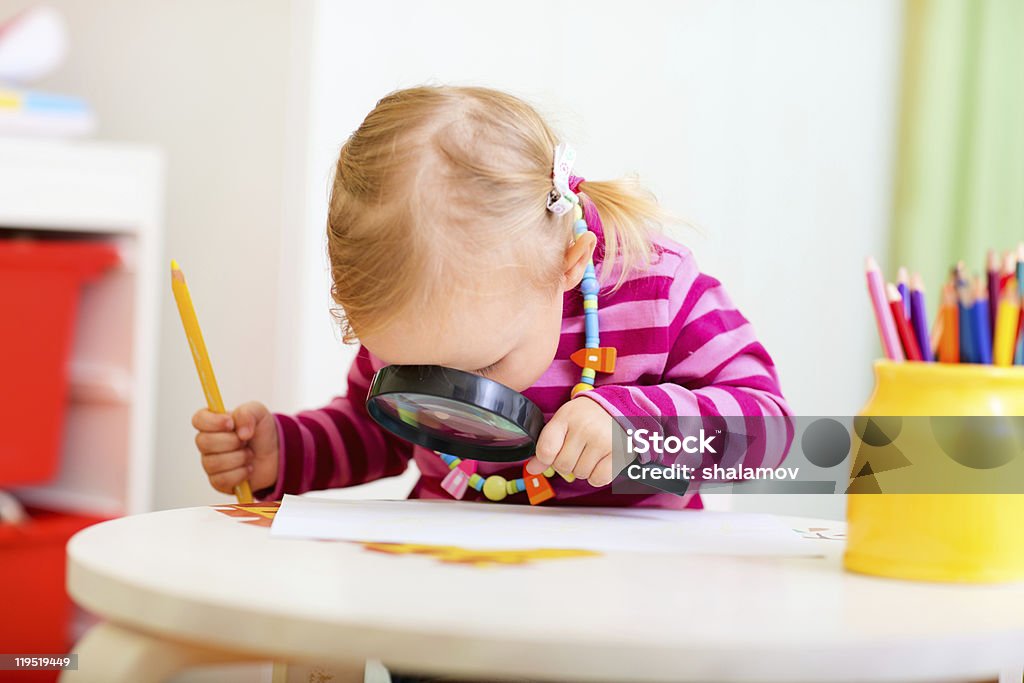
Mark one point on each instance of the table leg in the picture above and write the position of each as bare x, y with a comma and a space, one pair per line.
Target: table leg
109, 653
299, 672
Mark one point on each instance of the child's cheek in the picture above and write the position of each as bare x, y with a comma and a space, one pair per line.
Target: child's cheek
533, 357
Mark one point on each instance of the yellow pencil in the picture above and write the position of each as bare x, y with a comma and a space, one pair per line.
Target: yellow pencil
1006, 327
201, 357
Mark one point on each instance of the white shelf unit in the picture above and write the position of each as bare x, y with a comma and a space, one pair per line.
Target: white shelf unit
114, 191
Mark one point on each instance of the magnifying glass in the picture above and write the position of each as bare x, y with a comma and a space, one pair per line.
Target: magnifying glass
455, 412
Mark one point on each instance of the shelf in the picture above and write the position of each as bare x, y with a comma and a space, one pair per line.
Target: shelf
87, 189
78, 186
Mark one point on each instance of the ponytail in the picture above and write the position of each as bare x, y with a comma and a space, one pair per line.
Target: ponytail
630, 215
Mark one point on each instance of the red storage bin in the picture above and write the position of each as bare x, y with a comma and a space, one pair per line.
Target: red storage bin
40, 283
36, 606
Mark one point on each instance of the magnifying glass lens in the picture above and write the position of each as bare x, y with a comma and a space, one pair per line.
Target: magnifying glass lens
450, 420
455, 412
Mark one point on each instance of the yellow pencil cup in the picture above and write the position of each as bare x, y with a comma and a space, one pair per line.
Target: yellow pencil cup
961, 537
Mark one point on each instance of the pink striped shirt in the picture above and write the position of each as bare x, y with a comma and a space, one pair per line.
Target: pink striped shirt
683, 349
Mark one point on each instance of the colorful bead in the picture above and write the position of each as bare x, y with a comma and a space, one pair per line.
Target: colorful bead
494, 487
589, 373
455, 482
601, 359
589, 286
476, 481
580, 388
512, 487
537, 488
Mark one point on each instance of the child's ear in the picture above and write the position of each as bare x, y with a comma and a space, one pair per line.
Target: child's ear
577, 256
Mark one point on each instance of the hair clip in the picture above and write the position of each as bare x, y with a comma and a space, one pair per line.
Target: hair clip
561, 198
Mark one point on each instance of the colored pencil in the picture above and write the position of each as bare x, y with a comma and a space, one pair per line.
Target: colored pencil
979, 319
1009, 269
910, 346
938, 332
201, 357
965, 306
919, 318
949, 346
883, 314
1019, 271
903, 284
1018, 353
982, 325
993, 271
1004, 344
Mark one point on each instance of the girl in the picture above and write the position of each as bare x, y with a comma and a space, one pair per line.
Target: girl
447, 247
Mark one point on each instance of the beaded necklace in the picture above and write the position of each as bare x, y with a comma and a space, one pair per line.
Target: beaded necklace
592, 358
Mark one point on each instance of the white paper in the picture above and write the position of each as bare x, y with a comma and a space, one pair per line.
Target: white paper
517, 527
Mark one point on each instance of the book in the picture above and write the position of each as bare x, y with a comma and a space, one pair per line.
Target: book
33, 113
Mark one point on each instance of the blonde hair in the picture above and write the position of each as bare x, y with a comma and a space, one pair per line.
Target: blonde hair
437, 175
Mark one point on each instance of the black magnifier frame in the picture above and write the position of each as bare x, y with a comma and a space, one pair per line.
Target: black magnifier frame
429, 404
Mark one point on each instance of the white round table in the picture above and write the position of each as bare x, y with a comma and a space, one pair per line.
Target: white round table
190, 586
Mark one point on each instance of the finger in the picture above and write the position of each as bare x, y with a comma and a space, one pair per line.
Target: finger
588, 461
535, 466
246, 416
225, 462
602, 474
208, 421
550, 441
572, 448
217, 442
225, 482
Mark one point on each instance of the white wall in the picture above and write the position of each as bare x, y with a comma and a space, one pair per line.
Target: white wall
768, 125
207, 82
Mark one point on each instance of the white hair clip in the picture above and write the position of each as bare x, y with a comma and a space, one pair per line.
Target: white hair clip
561, 199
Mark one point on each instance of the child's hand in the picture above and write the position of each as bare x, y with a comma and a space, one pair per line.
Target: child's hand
238, 447
577, 440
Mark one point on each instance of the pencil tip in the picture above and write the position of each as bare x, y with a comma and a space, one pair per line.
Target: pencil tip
917, 282
870, 263
894, 294
174, 265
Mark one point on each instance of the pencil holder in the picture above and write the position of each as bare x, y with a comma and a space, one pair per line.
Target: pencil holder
961, 537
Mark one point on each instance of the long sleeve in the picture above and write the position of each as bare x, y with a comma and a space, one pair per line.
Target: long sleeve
715, 370
337, 445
